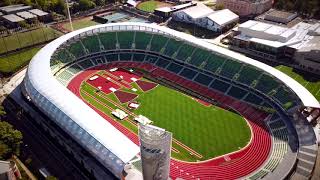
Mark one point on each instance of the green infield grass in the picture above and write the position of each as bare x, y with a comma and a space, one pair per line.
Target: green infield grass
210, 131
312, 85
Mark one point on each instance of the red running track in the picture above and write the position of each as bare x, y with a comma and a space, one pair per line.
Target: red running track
241, 163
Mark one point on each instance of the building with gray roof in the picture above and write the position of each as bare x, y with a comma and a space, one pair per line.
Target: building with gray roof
12, 9
42, 15
12, 20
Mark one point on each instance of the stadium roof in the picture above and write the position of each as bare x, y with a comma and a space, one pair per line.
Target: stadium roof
42, 79
223, 17
38, 12
26, 15
175, 8
12, 18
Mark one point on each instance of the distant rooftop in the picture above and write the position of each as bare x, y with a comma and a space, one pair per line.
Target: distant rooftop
200, 10
38, 12
301, 36
228, 16
14, 8
12, 18
279, 16
26, 15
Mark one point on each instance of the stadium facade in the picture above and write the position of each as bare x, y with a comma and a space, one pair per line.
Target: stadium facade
208, 65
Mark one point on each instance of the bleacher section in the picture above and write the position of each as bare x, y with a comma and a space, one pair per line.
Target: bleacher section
125, 39
230, 68
220, 85
142, 40
74, 69
266, 83
248, 75
173, 67
172, 47
158, 42
203, 79
188, 73
213, 63
237, 93
138, 57
85, 64
91, 43
198, 57
108, 40
76, 49
184, 52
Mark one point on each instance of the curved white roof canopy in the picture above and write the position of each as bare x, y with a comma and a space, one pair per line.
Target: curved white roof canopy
42, 79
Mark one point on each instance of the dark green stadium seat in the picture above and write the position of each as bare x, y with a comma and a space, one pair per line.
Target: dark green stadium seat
185, 51
108, 40
220, 85
158, 42
173, 67
162, 62
251, 98
74, 68
151, 59
125, 56
61, 56
230, 68
172, 46
266, 83
198, 57
277, 124
85, 64
203, 79
76, 49
236, 92
142, 40
214, 62
188, 73
138, 57
248, 74
91, 43
283, 95
125, 39
112, 57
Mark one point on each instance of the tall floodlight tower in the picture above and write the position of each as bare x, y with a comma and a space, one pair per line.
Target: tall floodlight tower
155, 148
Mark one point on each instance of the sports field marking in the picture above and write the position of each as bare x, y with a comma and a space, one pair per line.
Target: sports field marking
112, 80
112, 75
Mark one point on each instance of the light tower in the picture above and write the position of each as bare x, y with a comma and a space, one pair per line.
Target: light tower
155, 148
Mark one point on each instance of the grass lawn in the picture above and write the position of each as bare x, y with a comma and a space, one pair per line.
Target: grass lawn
80, 23
312, 85
150, 6
211, 131
12, 62
28, 38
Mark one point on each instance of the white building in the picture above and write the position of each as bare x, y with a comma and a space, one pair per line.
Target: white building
300, 43
205, 17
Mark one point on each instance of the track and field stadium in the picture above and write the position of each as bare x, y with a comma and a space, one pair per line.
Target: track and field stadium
231, 117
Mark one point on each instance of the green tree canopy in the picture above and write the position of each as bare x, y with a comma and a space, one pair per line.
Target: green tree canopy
10, 140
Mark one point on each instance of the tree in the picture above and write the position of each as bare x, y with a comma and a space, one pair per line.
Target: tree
86, 4
51, 178
10, 140
219, 6
100, 2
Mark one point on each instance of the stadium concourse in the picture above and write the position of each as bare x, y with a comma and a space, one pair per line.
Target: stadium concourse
283, 138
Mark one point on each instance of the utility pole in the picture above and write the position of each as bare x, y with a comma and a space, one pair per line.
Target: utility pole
68, 10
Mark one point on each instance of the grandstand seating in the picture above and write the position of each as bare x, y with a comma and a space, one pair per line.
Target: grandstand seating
125, 56
112, 57
188, 73
237, 93
203, 79
248, 75
172, 47
162, 62
266, 83
91, 43
184, 52
76, 49
158, 42
74, 69
173, 67
282, 95
230, 68
138, 57
220, 85
142, 40
125, 39
151, 59
85, 64
108, 40
213, 63
198, 57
